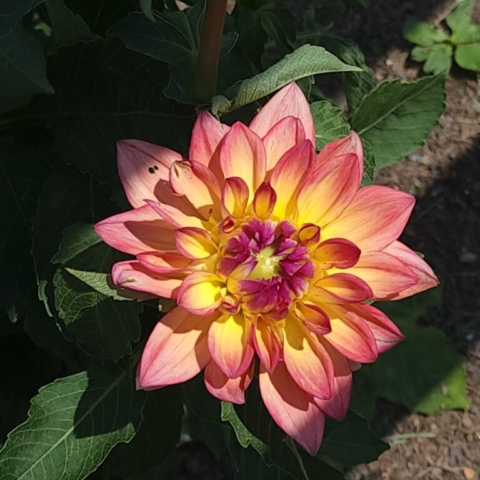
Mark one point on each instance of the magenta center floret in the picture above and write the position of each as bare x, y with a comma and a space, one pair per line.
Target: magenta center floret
272, 267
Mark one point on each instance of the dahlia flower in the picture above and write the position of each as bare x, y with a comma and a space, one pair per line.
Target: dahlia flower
273, 254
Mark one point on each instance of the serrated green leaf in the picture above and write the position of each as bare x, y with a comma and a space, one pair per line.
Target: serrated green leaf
351, 442
146, 7
439, 59
423, 34
329, 123
67, 27
396, 117
423, 373
468, 56
459, 17
73, 424
11, 11
279, 25
155, 439
303, 62
102, 283
168, 39
76, 239
22, 66
101, 325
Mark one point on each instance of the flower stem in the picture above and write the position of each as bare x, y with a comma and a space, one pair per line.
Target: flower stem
206, 70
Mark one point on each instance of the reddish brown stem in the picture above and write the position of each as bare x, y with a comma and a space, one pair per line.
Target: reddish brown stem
206, 70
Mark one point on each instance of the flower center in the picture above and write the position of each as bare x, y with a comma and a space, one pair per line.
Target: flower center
267, 267
267, 264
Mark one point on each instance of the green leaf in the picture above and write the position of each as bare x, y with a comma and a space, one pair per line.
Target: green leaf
253, 426
351, 442
168, 39
420, 54
11, 11
155, 439
76, 239
369, 164
469, 34
101, 325
424, 372
101, 16
117, 95
24, 173
468, 56
303, 62
22, 65
329, 123
73, 424
439, 59
396, 117
459, 18
423, 34
355, 84
279, 25
68, 198
68, 28
146, 7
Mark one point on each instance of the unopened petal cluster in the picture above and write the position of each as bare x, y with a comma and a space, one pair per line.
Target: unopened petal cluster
273, 254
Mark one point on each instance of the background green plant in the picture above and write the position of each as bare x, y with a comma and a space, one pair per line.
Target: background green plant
456, 37
77, 76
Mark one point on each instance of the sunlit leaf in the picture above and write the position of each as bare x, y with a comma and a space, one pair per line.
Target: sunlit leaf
396, 117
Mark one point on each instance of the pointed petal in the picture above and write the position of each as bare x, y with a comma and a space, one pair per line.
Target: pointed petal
227, 389
426, 278
313, 317
329, 190
132, 274
143, 169
292, 409
351, 336
386, 333
307, 360
349, 144
160, 262
264, 201
282, 137
136, 231
235, 197
176, 217
288, 102
200, 293
229, 342
266, 344
242, 155
337, 406
288, 175
198, 184
341, 288
176, 350
195, 243
337, 252
375, 218
384, 274
206, 136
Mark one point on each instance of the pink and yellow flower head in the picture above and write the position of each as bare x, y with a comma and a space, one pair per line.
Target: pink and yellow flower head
272, 253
